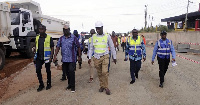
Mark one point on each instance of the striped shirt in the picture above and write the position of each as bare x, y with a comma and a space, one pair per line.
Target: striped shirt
68, 48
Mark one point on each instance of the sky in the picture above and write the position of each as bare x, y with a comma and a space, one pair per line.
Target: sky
120, 16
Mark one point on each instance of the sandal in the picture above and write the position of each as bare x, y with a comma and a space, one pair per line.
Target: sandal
91, 80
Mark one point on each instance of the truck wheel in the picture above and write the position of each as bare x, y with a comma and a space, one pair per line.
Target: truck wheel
30, 50
8, 53
2, 59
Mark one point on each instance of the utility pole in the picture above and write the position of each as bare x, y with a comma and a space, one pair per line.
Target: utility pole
185, 26
145, 16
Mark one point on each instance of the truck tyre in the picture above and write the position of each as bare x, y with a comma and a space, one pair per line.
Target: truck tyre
2, 59
8, 53
30, 50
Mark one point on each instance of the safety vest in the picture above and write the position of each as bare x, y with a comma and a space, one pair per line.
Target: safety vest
47, 49
164, 50
100, 43
119, 40
123, 39
90, 40
135, 47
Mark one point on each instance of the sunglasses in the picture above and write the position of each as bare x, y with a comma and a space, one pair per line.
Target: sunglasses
66, 29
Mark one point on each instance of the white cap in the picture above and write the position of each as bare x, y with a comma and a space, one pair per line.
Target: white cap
98, 24
122, 34
129, 35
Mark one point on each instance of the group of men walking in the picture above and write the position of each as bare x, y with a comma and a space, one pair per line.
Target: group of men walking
101, 47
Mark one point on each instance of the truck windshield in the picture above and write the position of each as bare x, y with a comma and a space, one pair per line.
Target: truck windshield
15, 18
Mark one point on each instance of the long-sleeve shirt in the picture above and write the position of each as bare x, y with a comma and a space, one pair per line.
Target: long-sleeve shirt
136, 58
109, 44
68, 48
156, 49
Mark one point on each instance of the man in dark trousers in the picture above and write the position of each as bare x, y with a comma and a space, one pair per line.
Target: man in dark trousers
69, 45
135, 48
82, 45
44, 54
162, 48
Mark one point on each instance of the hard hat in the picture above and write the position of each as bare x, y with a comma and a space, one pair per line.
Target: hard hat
122, 34
129, 35
98, 24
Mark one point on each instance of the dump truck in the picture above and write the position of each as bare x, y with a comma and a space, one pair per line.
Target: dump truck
24, 19
5, 31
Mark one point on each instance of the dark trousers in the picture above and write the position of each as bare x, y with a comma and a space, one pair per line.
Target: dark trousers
109, 61
68, 69
163, 66
134, 68
124, 46
39, 64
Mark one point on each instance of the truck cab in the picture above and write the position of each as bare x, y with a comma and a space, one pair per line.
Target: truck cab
23, 34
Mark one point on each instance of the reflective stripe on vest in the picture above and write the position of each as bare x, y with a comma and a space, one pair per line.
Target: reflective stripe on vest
100, 43
90, 40
135, 46
47, 49
164, 50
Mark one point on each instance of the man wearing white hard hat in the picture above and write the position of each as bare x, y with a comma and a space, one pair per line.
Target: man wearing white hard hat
99, 45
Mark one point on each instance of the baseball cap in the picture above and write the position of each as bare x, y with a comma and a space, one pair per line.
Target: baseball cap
98, 24
66, 27
163, 33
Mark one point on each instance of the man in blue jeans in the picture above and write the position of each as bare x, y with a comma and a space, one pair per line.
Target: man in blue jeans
135, 48
68, 43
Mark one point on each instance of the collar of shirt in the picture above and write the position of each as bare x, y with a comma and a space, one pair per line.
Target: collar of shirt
68, 36
134, 39
45, 35
101, 35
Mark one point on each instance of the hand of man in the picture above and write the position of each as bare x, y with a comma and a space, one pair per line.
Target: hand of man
115, 61
144, 59
173, 59
152, 62
89, 61
54, 59
79, 59
50, 59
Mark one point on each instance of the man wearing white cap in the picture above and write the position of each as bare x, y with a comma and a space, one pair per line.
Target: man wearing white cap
99, 45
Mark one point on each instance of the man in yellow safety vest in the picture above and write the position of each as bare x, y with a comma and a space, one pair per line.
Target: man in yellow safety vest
99, 45
44, 53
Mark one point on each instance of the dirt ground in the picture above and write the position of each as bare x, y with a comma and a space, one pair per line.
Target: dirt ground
181, 87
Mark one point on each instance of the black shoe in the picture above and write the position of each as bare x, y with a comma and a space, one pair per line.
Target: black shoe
101, 89
72, 90
63, 79
132, 81
68, 87
40, 88
136, 75
107, 91
48, 87
161, 85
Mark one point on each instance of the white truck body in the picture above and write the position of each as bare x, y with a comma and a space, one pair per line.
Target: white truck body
54, 26
24, 20
5, 30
